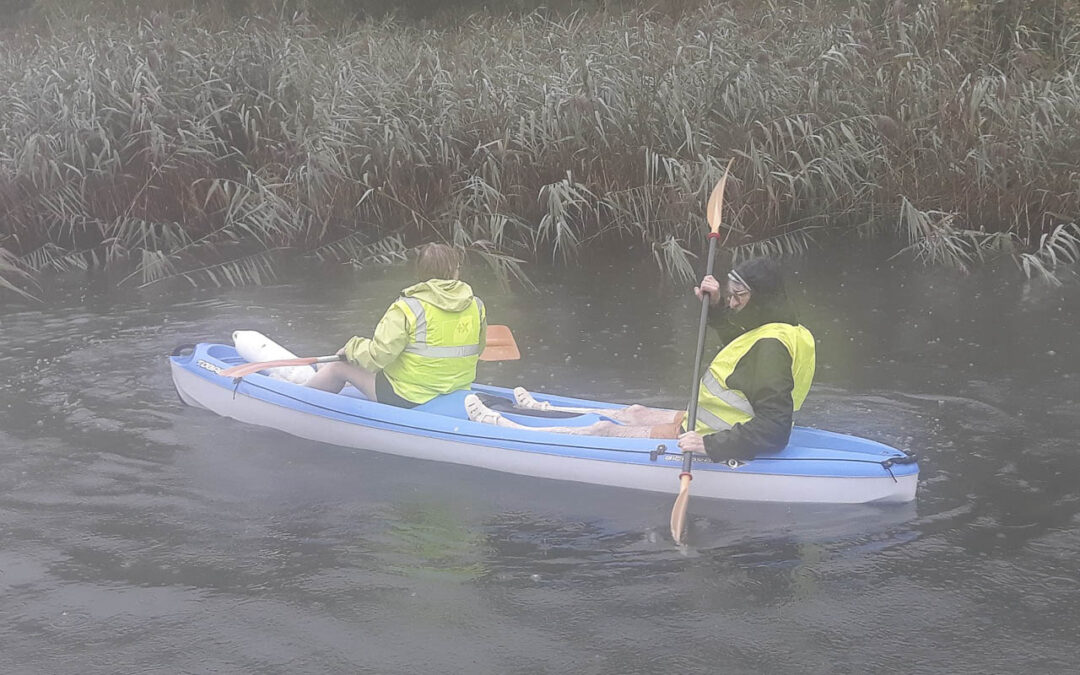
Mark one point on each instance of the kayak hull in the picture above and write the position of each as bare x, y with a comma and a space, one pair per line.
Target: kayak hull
853, 471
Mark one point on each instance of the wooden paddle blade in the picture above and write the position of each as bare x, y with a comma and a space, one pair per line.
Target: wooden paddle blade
678, 512
714, 211
500, 353
500, 345
499, 335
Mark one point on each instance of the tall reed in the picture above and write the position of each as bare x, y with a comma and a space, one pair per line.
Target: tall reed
207, 148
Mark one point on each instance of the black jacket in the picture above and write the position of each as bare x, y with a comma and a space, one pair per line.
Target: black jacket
763, 374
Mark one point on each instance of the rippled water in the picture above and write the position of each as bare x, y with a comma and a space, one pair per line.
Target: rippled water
142, 536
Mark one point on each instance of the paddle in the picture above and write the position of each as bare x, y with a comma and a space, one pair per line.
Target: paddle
500, 346
713, 212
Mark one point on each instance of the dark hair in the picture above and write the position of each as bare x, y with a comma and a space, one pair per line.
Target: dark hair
437, 261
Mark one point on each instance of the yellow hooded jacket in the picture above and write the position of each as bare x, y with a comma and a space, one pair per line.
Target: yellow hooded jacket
428, 342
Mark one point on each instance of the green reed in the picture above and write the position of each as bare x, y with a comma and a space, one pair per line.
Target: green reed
207, 148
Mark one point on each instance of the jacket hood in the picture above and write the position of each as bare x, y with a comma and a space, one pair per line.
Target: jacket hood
451, 295
769, 302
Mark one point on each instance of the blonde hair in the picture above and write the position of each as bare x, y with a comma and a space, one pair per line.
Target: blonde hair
437, 261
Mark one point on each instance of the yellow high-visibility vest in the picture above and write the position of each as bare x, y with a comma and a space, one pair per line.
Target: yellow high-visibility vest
442, 352
720, 407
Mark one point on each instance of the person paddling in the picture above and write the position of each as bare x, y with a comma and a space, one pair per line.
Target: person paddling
426, 344
748, 395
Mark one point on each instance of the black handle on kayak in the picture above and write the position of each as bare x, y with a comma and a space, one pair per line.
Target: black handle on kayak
179, 350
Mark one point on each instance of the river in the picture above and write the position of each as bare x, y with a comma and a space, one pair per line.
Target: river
139, 535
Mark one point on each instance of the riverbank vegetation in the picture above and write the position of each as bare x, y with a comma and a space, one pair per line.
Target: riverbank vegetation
210, 144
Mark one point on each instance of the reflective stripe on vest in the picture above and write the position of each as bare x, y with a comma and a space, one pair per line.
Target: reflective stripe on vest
417, 308
443, 352
710, 420
734, 398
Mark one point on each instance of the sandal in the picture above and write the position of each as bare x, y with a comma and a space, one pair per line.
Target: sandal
523, 399
478, 412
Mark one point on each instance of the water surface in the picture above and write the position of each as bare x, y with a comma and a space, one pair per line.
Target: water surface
139, 535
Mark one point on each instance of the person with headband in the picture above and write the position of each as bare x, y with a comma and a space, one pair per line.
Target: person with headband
749, 394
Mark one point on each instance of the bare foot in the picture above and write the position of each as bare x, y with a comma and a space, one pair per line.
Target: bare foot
478, 412
523, 399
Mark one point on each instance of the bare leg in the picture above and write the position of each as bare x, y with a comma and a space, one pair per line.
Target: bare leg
478, 412
333, 376
634, 415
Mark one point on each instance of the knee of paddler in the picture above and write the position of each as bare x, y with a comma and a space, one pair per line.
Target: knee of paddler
606, 426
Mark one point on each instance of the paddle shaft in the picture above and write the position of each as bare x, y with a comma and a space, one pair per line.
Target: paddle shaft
678, 512
249, 368
691, 411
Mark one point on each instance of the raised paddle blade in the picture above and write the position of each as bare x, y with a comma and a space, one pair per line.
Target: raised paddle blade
500, 345
714, 211
678, 512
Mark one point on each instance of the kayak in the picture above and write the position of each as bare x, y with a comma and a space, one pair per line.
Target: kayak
816, 467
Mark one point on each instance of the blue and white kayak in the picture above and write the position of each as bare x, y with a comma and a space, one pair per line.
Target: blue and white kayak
816, 466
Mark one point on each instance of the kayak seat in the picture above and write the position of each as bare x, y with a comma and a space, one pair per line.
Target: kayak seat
506, 405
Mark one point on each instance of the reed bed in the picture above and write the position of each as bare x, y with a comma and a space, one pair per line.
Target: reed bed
178, 147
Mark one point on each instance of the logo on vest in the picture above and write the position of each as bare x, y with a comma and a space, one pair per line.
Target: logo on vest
464, 329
